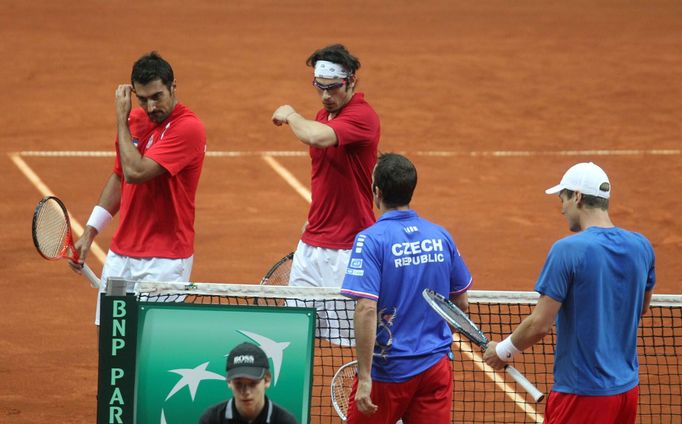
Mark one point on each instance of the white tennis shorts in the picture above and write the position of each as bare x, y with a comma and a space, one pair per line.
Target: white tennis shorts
321, 267
144, 269
318, 266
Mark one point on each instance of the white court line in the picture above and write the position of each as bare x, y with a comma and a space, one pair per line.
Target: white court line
527, 153
466, 349
299, 153
289, 178
45, 191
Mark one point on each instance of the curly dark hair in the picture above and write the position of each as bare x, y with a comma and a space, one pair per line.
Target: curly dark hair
151, 67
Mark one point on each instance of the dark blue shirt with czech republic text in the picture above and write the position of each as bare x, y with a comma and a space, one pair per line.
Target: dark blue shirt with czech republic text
392, 262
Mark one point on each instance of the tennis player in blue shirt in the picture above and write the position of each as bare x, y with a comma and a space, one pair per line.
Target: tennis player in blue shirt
597, 283
402, 346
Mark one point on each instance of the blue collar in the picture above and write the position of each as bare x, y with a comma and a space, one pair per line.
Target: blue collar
398, 215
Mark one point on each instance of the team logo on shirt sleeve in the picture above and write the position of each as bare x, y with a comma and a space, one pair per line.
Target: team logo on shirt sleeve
355, 267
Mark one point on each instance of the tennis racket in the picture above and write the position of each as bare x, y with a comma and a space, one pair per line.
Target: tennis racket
458, 319
278, 275
52, 234
342, 383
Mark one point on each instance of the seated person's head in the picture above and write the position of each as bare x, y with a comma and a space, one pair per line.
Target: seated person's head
248, 375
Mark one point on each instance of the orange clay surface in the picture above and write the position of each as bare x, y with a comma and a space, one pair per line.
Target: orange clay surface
458, 86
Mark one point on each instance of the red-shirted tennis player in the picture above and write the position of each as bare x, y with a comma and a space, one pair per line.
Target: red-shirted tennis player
343, 140
160, 152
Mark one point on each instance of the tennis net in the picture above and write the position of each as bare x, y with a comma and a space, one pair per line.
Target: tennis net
481, 395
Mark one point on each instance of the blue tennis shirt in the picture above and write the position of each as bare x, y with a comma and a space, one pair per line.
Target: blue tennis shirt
392, 262
599, 275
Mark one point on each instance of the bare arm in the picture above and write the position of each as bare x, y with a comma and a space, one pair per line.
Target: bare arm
647, 301
531, 330
136, 168
310, 132
365, 335
109, 199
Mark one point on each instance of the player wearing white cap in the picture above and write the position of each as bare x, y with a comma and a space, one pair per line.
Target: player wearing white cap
597, 284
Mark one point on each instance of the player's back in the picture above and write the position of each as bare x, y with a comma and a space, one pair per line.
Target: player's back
607, 271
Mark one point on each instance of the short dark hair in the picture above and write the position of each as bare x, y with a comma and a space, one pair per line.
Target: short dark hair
152, 67
594, 202
396, 177
336, 53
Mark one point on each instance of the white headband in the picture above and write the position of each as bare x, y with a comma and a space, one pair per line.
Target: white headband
325, 69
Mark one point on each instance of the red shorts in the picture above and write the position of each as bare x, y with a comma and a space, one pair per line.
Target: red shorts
564, 408
425, 398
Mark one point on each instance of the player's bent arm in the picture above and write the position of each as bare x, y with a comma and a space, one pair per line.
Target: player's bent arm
310, 132
537, 325
647, 301
110, 200
137, 169
531, 330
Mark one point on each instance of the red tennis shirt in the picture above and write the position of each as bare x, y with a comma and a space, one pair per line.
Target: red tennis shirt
341, 177
157, 216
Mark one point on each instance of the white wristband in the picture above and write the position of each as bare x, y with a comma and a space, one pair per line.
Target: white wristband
99, 218
506, 350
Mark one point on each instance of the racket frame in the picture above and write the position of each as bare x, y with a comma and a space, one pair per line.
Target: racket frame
285, 259
436, 299
68, 241
335, 381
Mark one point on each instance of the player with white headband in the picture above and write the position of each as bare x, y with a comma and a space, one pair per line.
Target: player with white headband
343, 141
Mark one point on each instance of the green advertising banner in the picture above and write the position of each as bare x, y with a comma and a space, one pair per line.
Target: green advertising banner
182, 349
117, 350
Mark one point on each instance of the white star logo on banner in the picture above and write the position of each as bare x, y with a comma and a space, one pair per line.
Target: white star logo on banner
191, 377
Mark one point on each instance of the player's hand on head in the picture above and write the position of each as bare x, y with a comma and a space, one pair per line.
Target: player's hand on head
123, 100
281, 114
363, 401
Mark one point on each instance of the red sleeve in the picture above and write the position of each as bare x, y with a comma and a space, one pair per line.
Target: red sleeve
179, 144
359, 124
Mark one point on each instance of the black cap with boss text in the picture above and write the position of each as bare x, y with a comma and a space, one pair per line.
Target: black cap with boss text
247, 361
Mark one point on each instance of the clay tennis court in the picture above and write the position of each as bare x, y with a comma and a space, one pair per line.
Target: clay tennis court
492, 102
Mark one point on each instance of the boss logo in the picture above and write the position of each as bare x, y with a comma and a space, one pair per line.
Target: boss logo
244, 359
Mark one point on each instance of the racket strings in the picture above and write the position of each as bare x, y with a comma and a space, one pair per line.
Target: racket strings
51, 229
280, 277
472, 331
279, 273
342, 386
464, 324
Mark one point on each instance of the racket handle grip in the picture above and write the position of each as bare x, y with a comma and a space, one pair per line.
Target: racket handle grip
94, 280
536, 394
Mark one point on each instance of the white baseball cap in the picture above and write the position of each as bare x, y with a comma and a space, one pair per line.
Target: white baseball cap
585, 177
